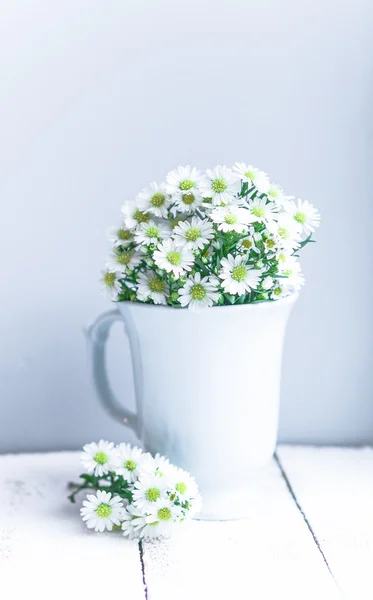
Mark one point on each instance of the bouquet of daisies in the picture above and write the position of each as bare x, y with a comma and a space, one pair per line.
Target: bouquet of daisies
227, 236
145, 496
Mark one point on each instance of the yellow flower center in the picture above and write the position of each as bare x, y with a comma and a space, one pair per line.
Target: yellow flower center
230, 219
130, 465
300, 217
152, 494
103, 510
140, 217
239, 273
186, 184
192, 234
181, 487
197, 292
164, 514
157, 200
219, 185
109, 279
101, 458
174, 258
188, 199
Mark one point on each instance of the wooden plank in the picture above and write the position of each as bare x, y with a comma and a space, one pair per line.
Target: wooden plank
334, 486
45, 549
271, 554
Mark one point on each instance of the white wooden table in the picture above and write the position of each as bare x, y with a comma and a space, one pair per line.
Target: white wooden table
308, 535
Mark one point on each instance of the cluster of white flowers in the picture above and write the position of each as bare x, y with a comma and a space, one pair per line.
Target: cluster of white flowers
227, 236
143, 495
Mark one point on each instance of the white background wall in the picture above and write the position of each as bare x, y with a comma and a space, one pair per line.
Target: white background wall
99, 98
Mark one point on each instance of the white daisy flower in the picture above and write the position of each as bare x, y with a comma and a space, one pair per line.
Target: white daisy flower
173, 258
158, 465
120, 236
99, 458
286, 230
150, 286
304, 213
199, 293
134, 525
154, 200
267, 283
248, 243
110, 285
252, 176
129, 462
187, 202
238, 277
165, 514
193, 234
119, 261
276, 193
184, 180
280, 291
184, 185
148, 489
261, 210
270, 243
231, 218
151, 233
291, 269
247, 173
186, 488
102, 511
221, 185
133, 216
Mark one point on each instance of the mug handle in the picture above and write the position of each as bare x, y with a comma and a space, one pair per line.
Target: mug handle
97, 335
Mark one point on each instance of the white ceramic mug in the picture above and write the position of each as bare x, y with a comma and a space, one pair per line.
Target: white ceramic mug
207, 388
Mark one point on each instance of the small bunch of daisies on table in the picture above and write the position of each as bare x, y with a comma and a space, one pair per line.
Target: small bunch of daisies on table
143, 495
227, 236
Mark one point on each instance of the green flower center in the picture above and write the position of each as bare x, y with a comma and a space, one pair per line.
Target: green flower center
157, 200
124, 234
186, 184
250, 175
230, 219
270, 243
188, 199
247, 244
300, 217
130, 465
239, 273
258, 211
101, 458
288, 272
103, 510
152, 494
124, 258
219, 185
140, 217
197, 292
152, 232
283, 233
109, 279
181, 487
277, 291
156, 285
273, 192
192, 234
164, 514
174, 258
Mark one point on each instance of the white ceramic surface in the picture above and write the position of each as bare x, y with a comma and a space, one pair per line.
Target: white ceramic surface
207, 390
